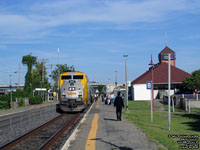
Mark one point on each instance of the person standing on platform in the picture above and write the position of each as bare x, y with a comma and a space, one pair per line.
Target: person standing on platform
119, 104
112, 98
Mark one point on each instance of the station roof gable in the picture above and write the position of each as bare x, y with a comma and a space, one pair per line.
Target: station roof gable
160, 75
167, 50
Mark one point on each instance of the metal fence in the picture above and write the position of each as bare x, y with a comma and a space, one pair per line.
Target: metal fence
188, 96
14, 125
184, 101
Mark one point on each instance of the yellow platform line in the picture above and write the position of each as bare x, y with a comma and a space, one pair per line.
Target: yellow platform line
91, 142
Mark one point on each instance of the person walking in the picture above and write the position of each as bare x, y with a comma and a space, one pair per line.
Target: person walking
119, 104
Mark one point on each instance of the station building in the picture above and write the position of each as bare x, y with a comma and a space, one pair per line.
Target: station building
160, 78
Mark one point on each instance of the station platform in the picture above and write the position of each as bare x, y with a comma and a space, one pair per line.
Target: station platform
102, 131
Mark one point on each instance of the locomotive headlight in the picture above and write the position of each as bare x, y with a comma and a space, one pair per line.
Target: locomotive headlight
71, 88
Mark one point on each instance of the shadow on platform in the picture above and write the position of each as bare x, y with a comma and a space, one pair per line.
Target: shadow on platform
110, 119
119, 147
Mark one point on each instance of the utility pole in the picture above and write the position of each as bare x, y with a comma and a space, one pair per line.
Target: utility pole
43, 61
58, 75
19, 77
43, 73
152, 89
51, 77
11, 104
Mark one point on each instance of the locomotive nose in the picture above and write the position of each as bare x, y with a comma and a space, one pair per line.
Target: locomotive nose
71, 82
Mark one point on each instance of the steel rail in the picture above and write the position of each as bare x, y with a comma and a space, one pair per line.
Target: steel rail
52, 140
25, 136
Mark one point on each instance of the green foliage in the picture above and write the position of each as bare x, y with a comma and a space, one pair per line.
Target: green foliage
21, 102
35, 100
101, 89
18, 93
37, 76
192, 83
5, 101
4, 104
28, 60
61, 69
5, 97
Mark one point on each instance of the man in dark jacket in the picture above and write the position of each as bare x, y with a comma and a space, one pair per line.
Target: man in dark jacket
118, 104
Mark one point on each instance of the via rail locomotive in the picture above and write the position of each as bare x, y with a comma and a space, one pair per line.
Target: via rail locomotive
75, 91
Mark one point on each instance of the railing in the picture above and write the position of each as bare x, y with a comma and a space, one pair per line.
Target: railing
19, 123
184, 101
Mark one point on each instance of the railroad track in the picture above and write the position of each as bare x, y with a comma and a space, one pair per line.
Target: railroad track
45, 136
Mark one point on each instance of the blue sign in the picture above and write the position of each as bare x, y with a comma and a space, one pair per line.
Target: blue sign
149, 85
165, 56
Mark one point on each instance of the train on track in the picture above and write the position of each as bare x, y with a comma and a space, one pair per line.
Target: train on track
75, 91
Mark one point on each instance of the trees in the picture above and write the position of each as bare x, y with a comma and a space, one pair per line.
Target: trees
101, 89
192, 83
28, 60
61, 69
39, 76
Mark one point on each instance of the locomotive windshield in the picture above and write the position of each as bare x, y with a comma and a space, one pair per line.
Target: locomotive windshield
78, 77
66, 77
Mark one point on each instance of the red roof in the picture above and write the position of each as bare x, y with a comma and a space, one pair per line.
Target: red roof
160, 75
167, 50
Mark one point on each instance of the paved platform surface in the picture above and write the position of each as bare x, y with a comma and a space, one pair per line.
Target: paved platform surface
101, 131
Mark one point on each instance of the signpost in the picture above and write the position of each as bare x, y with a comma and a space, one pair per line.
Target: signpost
149, 87
169, 88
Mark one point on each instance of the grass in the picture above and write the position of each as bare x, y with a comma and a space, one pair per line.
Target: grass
181, 123
142, 105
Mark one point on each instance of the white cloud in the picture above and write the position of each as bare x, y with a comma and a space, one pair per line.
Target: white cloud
46, 16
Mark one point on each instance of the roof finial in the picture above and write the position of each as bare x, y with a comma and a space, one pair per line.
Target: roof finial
151, 62
165, 39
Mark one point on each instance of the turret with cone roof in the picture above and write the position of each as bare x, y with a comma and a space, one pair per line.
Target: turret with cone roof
163, 56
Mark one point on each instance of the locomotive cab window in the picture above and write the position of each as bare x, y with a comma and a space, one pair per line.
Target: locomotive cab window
66, 77
78, 77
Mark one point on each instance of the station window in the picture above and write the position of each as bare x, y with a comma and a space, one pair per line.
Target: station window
66, 77
78, 77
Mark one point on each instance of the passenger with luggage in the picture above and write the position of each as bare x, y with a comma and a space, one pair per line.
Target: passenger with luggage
119, 103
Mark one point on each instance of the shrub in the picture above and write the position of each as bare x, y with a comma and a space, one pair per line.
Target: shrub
21, 102
4, 104
35, 100
5, 97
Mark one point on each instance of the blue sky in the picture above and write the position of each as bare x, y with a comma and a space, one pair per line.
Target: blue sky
93, 35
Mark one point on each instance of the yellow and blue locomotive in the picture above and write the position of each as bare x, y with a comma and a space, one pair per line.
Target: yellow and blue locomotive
75, 93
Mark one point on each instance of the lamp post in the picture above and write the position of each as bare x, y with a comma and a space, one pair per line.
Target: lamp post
18, 79
11, 101
109, 85
125, 56
116, 79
